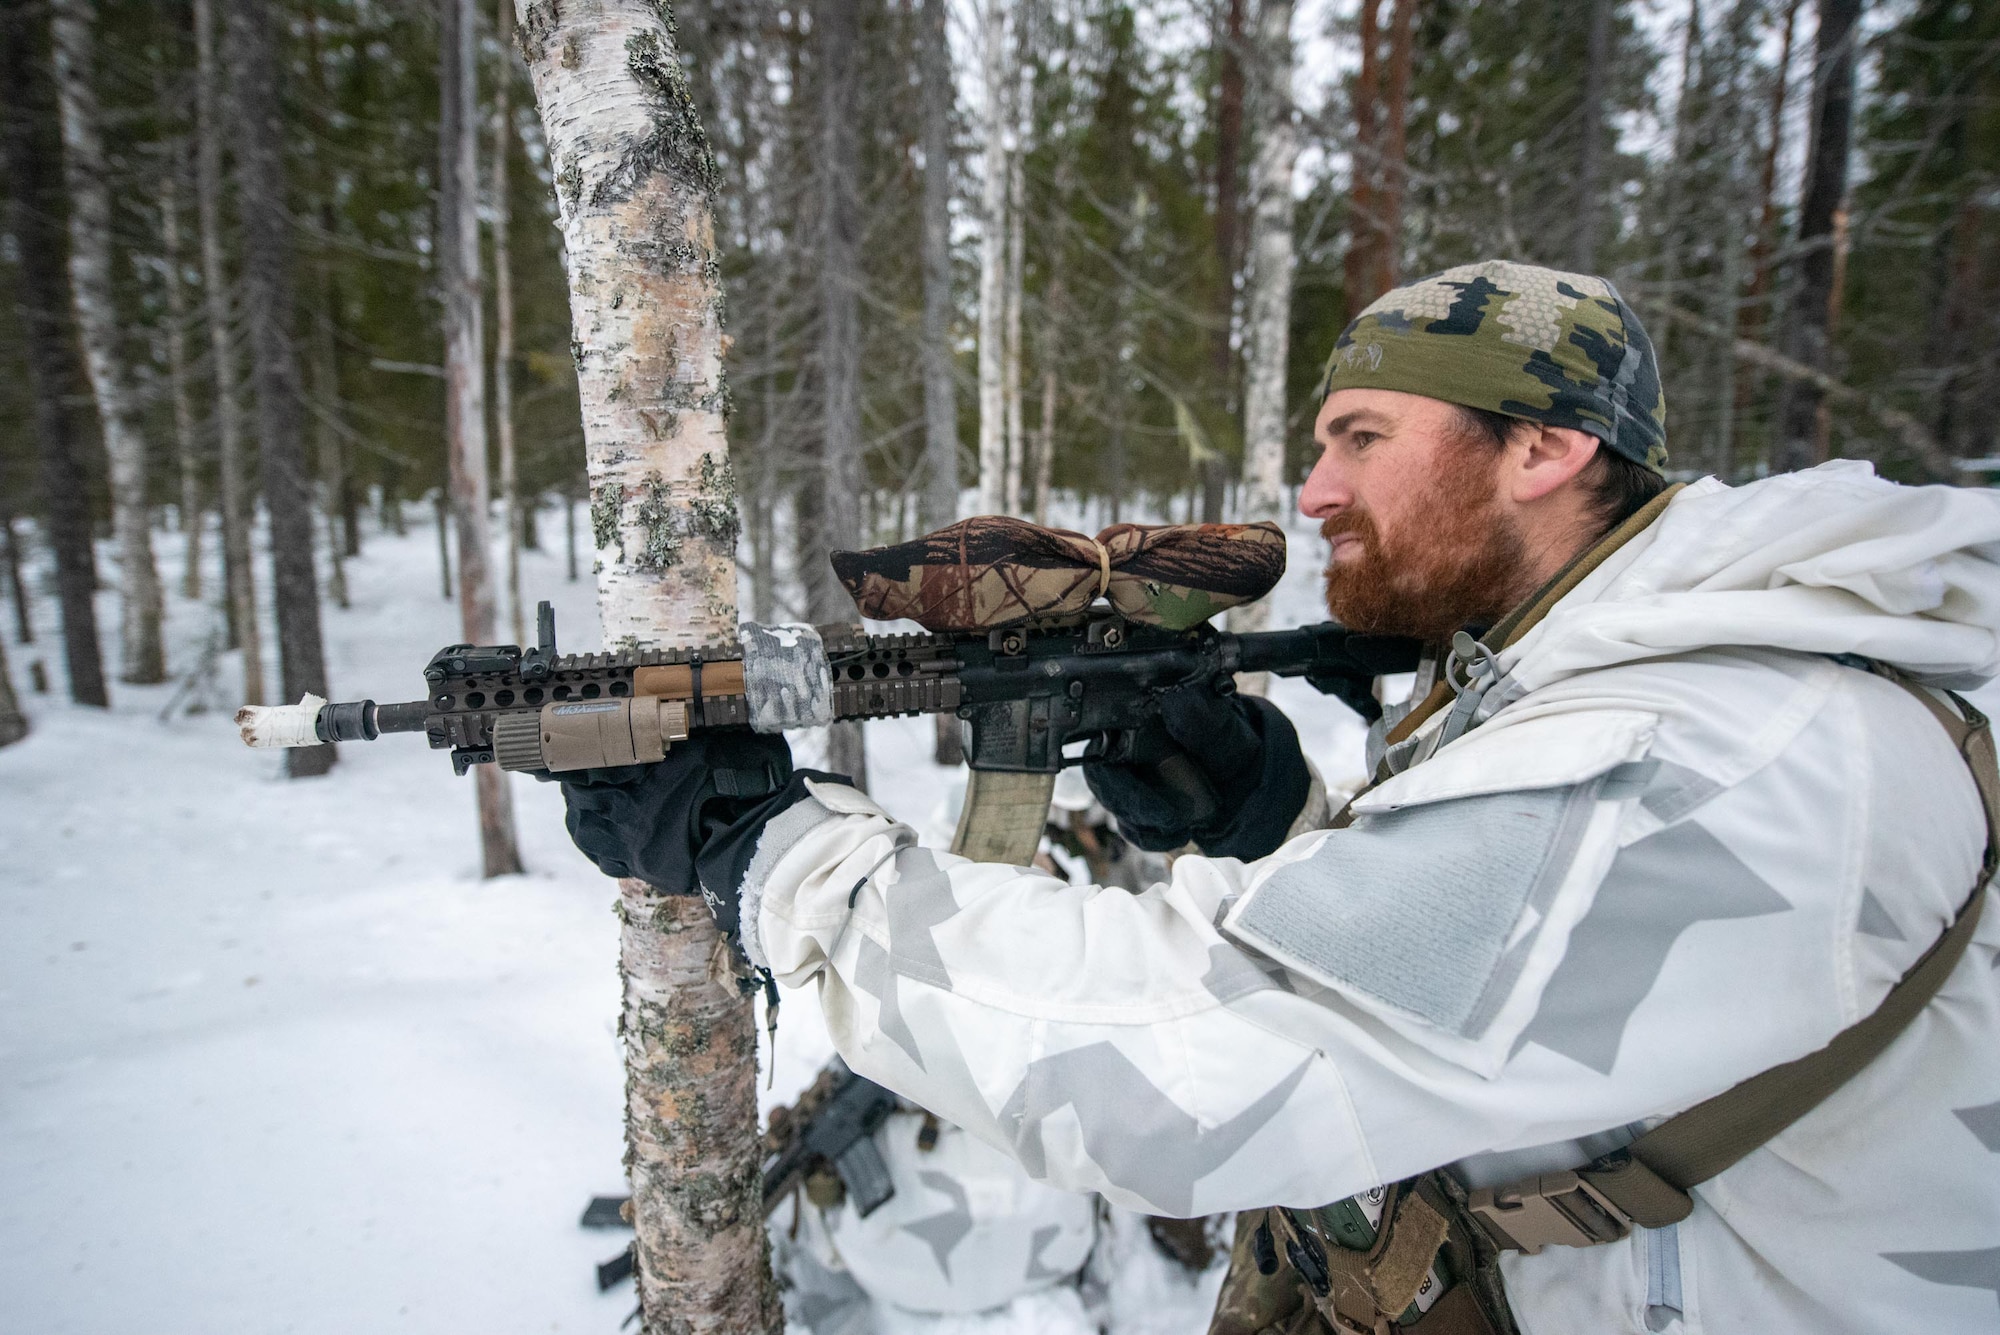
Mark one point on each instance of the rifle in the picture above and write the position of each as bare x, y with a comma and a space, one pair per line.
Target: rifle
831, 1125
1033, 697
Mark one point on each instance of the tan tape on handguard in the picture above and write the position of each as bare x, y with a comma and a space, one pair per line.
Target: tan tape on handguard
675, 681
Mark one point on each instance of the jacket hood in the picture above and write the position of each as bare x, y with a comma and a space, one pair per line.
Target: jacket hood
1830, 561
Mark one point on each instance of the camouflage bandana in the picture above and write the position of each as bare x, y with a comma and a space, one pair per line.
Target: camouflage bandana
994, 570
1558, 348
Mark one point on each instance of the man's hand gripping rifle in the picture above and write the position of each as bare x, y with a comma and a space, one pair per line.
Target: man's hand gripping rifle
1081, 681
1033, 697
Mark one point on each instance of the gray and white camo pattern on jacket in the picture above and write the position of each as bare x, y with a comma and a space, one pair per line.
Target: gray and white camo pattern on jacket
1690, 847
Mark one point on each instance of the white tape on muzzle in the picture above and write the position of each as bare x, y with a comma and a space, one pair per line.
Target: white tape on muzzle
281, 725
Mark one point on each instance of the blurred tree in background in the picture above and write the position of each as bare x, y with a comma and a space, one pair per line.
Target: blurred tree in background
1670, 147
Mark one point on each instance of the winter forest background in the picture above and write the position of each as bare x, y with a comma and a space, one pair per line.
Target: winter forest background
1061, 216
288, 394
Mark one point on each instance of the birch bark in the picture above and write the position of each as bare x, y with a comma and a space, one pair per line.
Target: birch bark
238, 571
940, 495
465, 381
1017, 259
32, 146
1270, 296
141, 651
1270, 304
635, 181
842, 476
993, 267
503, 324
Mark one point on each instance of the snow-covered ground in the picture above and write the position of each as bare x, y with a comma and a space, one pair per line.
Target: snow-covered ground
274, 1058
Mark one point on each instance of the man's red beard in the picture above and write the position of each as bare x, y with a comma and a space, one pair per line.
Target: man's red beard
1455, 565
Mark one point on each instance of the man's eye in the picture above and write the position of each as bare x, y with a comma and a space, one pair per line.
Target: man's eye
1363, 439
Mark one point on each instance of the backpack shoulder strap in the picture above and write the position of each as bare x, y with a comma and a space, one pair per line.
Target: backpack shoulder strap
1647, 1182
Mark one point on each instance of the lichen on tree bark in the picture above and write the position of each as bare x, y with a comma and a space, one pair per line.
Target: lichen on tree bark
634, 178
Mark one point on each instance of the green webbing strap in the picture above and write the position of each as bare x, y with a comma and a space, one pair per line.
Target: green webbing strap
1710, 1137
1003, 816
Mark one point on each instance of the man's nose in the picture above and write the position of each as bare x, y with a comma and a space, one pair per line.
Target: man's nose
1325, 494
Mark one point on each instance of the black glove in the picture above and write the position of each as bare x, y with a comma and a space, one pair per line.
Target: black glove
690, 823
1224, 771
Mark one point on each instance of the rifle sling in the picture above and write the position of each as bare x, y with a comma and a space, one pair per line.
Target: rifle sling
1649, 1180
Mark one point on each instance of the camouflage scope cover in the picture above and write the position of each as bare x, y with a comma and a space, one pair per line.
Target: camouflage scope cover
993, 571
1563, 349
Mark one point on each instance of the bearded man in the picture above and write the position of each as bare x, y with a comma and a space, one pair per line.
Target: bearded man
1678, 805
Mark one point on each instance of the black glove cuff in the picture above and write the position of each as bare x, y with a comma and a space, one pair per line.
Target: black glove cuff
1261, 814
731, 842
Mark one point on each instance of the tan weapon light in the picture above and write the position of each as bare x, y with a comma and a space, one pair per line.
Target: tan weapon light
592, 734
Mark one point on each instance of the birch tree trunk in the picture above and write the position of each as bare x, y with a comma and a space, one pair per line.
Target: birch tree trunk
238, 568
177, 370
33, 150
1270, 296
503, 322
1020, 117
940, 494
993, 267
635, 181
843, 477
465, 381
252, 59
1228, 212
141, 651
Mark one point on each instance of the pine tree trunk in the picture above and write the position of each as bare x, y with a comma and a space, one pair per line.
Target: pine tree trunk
17, 592
141, 650
327, 445
940, 495
503, 325
1270, 297
1394, 167
1358, 266
177, 370
465, 381
35, 210
993, 267
238, 566
252, 60
1797, 439
1591, 141
634, 173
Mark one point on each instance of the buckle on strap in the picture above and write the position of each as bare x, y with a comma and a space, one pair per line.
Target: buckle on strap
1558, 1208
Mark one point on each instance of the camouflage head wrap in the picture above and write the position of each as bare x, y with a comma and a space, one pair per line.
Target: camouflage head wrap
994, 570
1558, 348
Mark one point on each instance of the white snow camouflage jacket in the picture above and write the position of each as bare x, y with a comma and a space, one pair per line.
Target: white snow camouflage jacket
1684, 845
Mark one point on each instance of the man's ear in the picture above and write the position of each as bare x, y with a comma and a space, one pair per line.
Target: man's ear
1547, 457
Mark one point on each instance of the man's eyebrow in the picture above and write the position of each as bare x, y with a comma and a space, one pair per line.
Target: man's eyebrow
1340, 425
